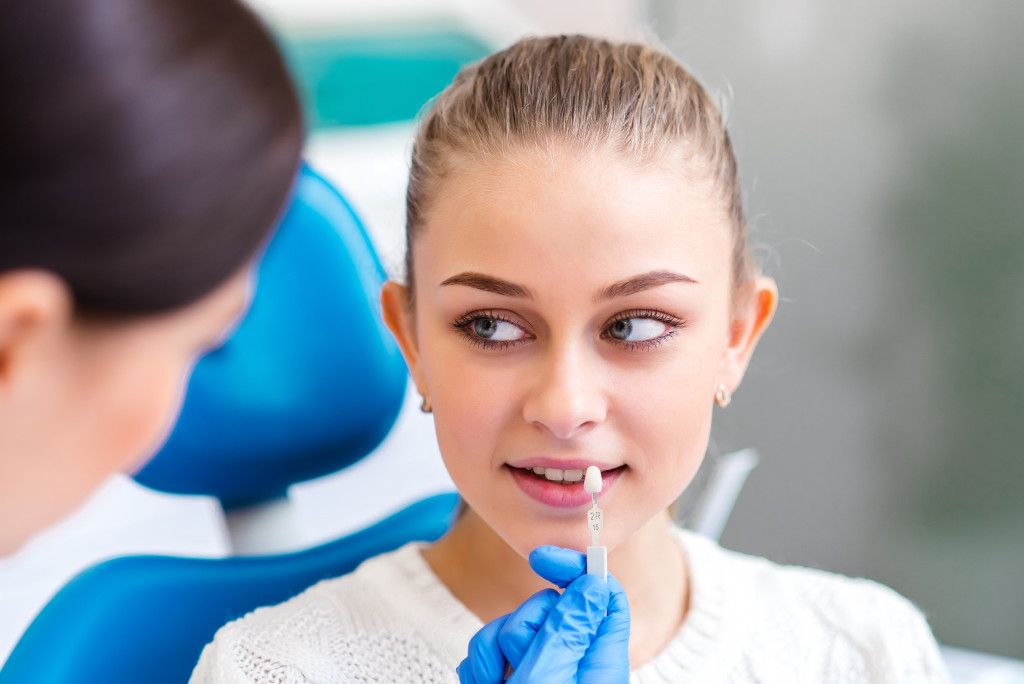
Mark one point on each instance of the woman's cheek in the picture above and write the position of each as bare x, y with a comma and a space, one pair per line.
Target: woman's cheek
473, 415
672, 426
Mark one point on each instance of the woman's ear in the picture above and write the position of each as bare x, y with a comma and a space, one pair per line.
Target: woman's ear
399, 317
34, 304
753, 312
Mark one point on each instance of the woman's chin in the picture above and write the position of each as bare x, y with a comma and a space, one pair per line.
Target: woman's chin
566, 539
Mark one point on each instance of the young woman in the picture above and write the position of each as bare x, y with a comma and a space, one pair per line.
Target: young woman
147, 148
579, 292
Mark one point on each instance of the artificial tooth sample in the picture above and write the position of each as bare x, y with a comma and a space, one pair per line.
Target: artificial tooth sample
597, 555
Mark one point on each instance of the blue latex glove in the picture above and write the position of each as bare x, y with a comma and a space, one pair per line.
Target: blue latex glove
580, 636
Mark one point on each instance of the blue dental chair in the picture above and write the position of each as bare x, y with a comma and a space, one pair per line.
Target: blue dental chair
310, 383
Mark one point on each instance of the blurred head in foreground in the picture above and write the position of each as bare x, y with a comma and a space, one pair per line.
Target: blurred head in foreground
147, 148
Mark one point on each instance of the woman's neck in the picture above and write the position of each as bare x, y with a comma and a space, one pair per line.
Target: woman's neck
491, 579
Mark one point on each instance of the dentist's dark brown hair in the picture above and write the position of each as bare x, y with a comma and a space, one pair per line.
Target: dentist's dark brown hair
147, 147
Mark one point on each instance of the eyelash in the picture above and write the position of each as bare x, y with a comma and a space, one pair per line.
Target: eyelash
674, 324
462, 324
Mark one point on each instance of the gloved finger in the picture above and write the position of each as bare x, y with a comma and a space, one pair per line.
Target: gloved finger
557, 565
565, 636
522, 625
617, 622
607, 659
485, 663
465, 672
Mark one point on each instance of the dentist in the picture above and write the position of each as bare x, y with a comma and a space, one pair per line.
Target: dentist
147, 148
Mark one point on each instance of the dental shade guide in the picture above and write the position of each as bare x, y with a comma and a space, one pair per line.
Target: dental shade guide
597, 555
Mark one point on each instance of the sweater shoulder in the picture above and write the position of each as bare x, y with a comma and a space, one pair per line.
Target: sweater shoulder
826, 624
833, 599
349, 603
342, 629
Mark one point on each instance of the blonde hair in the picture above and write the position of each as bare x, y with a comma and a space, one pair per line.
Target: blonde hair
584, 93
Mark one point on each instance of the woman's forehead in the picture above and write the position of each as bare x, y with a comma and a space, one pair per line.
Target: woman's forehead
577, 213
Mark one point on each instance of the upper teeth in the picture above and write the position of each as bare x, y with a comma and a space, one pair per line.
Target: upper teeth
558, 475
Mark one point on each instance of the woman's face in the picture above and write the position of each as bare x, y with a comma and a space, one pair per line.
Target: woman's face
572, 310
90, 398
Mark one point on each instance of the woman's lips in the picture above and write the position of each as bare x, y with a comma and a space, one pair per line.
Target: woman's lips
556, 494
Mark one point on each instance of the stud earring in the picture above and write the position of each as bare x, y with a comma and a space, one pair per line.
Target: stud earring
722, 396
425, 406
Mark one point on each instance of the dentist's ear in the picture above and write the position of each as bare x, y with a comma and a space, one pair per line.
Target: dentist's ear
400, 319
753, 311
35, 306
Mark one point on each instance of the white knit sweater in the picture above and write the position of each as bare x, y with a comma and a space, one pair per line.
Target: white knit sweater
750, 620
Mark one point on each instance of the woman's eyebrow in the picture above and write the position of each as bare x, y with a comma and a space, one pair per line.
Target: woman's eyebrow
642, 282
623, 288
488, 283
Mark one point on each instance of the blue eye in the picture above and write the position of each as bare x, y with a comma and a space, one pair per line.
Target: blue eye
490, 330
641, 329
485, 327
496, 330
637, 329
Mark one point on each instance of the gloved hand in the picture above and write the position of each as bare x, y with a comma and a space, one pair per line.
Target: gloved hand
580, 636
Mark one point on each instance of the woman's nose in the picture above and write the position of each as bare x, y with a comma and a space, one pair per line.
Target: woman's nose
566, 399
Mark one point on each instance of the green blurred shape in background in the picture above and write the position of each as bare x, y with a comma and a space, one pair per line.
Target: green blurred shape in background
378, 75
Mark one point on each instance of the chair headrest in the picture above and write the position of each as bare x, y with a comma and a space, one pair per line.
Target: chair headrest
310, 382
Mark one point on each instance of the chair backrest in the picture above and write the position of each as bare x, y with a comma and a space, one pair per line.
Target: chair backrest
727, 475
309, 383
147, 618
